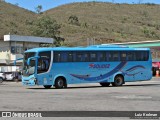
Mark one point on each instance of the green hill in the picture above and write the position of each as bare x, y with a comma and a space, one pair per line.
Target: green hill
104, 22
13, 19
107, 22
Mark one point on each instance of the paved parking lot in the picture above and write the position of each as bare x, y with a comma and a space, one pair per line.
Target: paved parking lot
135, 96
132, 96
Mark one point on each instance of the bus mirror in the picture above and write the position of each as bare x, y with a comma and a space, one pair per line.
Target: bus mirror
28, 61
31, 58
17, 60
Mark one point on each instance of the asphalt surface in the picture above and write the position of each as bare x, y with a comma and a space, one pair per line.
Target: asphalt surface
133, 96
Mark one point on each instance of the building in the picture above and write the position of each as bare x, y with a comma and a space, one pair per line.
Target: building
12, 47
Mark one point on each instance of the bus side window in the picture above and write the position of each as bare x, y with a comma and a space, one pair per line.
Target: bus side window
44, 61
79, 57
57, 57
139, 56
107, 54
43, 65
131, 56
93, 57
145, 56
123, 56
115, 56
86, 57
101, 56
70, 57
64, 56
110, 56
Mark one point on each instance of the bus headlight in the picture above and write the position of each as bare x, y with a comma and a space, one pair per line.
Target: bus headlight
33, 78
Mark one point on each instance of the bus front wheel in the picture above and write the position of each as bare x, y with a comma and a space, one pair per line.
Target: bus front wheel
105, 84
118, 81
47, 86
60, 83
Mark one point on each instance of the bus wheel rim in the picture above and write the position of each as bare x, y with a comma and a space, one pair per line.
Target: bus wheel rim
60, 83
119, 81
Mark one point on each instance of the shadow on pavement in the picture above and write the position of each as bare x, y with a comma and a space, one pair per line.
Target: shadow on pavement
70, 87
140, 85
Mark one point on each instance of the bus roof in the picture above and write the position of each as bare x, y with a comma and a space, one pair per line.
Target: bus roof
88, 48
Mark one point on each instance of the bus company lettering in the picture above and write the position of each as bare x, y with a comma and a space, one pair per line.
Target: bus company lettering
92, 65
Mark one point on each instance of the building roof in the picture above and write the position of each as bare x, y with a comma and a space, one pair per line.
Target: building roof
153, 43
28, 39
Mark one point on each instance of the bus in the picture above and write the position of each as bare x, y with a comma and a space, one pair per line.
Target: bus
104, 64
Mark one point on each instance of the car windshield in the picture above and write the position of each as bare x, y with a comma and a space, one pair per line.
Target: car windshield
29, 69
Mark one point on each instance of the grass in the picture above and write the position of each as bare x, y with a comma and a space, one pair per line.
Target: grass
106, 22
13, 19
103, 22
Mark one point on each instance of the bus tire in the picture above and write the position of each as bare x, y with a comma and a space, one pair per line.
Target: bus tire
65, 85
118, 80
47, 86
106, 84
60, 83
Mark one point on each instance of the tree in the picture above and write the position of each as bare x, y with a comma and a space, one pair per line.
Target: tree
47, 27
39, 9
73, 19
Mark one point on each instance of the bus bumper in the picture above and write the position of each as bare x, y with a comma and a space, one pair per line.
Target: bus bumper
30, 82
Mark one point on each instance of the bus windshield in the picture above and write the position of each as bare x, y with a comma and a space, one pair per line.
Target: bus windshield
29, 69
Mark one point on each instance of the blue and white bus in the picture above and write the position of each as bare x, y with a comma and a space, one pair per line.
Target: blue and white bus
104, 64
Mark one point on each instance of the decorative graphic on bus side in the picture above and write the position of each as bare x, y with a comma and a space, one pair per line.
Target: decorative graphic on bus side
115, 70
128, 71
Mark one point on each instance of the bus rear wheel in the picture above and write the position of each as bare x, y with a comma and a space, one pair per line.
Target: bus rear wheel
47, 86
60, 83
104, 84
118, 81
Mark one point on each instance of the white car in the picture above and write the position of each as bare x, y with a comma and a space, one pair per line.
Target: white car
9, 76
2, 77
